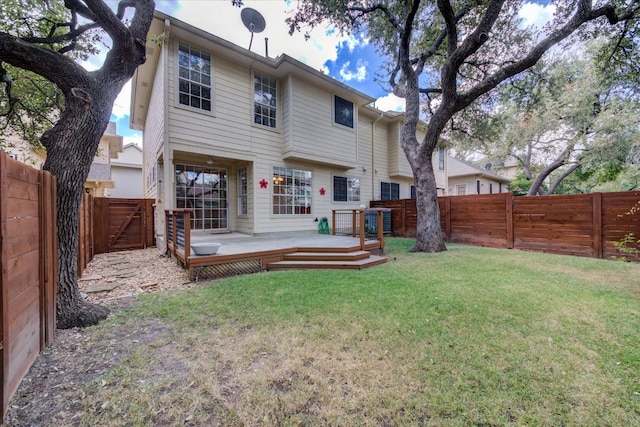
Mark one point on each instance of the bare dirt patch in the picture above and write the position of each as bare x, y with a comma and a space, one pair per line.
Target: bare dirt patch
52, 391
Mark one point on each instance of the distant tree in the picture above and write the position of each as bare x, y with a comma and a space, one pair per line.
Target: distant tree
562, 116
451, 54
42, 40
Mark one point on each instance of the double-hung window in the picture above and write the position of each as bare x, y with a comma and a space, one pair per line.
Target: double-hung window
291, 191
264, 100
194, 77
346, 189
343, 111
389, 191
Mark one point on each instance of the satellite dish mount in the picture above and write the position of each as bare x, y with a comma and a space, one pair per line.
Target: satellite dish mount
253, 20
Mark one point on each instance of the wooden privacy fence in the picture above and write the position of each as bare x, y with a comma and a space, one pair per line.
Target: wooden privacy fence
108, 225
582, 224
29, 269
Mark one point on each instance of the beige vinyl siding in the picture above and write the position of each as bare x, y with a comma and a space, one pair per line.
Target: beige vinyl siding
314, 135
153, 136
228, 125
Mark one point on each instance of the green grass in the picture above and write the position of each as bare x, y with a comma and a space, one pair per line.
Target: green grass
471, 336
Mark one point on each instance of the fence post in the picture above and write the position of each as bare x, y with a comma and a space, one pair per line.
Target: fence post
447, 218
403, 218
598, 243
508, 201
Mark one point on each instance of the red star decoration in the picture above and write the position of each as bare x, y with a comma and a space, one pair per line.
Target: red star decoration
322, 191
264, 183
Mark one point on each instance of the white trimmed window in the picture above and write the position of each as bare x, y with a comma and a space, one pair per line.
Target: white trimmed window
346, 189
291, 191
194, 77
264, 100
242, 192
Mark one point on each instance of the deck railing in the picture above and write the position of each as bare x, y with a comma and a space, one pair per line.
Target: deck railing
363, 223
178, 235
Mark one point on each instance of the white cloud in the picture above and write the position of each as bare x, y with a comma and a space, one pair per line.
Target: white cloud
135, 138
223, 20
537, 15
359, 75
390, 103
122, 102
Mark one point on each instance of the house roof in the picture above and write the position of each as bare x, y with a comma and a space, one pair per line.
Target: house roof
459, 168
281, 66
113, 139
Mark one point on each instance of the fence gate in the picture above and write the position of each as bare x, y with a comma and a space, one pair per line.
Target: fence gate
122, 224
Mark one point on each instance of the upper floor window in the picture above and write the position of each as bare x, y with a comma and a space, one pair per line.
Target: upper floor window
441, 158
264, 100
194, 70
389, 191
413, 191
343, 112
346, 189
291, 191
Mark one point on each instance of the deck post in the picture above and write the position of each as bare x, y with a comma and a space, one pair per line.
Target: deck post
380, 226
187, 236
333, 222
361, 211
353, 223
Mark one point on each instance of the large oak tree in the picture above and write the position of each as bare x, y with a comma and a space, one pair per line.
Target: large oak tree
42, 43
451, 53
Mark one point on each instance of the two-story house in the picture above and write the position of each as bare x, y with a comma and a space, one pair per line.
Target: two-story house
255, 144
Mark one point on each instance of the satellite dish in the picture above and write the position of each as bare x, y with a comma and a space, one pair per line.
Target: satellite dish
253, 20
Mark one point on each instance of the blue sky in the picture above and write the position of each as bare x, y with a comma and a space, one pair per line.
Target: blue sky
350, 60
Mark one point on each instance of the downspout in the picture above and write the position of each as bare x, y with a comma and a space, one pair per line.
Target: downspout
167, 165
373, 155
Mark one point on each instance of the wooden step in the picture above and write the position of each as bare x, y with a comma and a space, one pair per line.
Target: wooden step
327, 256
371, 261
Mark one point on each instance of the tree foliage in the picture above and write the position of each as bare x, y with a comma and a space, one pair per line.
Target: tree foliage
451, 54
563, 115
45, 89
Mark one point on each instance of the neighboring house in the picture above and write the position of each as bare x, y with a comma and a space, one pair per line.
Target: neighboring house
99, 179
22, 151
465, 178
256, 144
126, 173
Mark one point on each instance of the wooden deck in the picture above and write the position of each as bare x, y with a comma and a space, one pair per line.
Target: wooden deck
243, 254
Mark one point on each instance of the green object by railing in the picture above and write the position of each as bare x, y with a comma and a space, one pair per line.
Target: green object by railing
323, 226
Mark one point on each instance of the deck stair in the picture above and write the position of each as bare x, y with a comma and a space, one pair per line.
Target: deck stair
306, 258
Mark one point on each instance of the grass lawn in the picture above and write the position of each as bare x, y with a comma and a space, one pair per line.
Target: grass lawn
471, 336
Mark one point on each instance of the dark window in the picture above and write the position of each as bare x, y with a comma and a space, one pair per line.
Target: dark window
441, 158
477, 186
343, 111
490, 188
389, 191
500, 187
413, 191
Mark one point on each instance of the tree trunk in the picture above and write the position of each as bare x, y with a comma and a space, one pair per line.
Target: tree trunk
78, 131
428, 229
